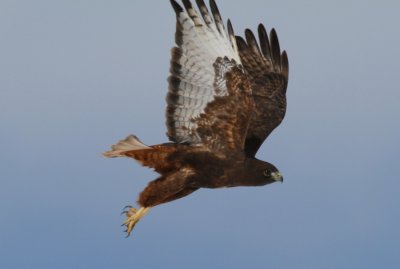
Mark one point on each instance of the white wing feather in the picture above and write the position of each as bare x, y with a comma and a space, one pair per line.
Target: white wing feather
193, 82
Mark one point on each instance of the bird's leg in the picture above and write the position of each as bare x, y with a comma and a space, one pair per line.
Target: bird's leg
133, 216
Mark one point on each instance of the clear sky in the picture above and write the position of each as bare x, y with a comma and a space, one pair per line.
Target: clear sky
77, 76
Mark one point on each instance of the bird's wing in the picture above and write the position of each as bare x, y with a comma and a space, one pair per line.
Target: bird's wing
209, 101
268, 71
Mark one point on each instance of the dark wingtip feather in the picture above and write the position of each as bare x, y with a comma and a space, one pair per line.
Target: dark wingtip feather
214, 9
241, 43
187, 4
204, 11
264, 41
201, 4
192, 13
231, 33
230, 28
251, 41
275, 49
216, 15
178, 9
285, 64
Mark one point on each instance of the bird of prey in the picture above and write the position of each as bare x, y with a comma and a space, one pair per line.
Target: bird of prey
226, 94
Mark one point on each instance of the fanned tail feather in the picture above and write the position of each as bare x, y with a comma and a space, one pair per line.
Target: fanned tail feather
150, 156
131, 143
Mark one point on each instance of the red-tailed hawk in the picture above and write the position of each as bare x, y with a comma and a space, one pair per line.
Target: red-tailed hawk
226, 94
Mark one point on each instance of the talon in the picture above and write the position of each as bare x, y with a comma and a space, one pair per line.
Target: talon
129, 211
133, 217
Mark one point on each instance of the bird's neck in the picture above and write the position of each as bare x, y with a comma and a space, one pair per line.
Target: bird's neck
249, 174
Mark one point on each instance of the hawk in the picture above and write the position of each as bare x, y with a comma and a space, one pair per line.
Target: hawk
226, 94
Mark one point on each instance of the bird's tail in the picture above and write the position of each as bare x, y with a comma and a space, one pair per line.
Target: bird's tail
131, 143
150, 156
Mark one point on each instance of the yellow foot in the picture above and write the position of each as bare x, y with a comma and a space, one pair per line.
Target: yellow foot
133, 216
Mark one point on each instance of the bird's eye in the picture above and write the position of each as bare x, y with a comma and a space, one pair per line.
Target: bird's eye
267, 173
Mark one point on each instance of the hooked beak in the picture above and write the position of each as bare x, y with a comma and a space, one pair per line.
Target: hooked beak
277, 176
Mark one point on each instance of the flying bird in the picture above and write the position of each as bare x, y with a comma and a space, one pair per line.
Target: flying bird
226, 94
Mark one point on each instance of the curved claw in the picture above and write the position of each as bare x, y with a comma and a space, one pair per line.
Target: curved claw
133, 217
127, 233
126, 212
127, 207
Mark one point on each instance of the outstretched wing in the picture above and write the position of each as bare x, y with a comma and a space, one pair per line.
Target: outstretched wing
209, 98
268, 71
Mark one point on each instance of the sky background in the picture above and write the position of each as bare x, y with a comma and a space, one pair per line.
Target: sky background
77, 76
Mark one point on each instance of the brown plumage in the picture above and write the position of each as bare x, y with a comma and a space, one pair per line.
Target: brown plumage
268, 71
225, 96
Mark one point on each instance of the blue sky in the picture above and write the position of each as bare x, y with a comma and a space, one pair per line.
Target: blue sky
76, 76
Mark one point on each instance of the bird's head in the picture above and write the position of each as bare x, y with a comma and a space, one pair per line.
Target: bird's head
271, 173
261, 173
